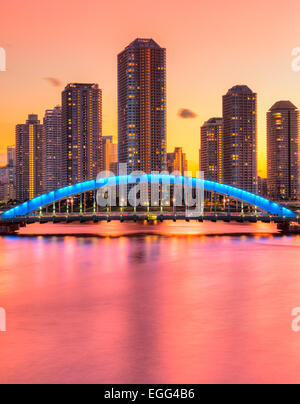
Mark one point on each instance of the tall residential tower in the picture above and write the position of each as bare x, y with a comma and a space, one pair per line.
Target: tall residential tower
177, 162
30, 158
11, 167
211, 153
53, 140
283, 151
110, 155
142, 106
240, 138
81, 133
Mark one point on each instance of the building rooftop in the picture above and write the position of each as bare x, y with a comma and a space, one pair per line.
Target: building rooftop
280, 105
240, 89
85, 85
32, 119
143, 43
214, 121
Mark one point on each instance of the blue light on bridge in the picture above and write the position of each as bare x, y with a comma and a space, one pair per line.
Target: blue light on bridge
66, 192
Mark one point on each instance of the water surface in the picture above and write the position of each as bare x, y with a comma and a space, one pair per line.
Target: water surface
174, 303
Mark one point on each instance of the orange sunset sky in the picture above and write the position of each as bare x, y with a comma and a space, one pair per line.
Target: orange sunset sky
211, 46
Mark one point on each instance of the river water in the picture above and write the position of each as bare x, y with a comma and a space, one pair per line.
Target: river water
130, 303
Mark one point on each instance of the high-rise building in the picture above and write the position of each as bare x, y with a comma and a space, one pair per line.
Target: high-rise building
177, 162
53, 142
11, 172
30, 158
114, 159
142, 106
283, 151
3, 184
211, 154
110, 154
262, 187
81, 133
240, 138
8, 177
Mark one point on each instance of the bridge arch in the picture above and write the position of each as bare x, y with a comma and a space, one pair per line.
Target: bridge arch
63, 193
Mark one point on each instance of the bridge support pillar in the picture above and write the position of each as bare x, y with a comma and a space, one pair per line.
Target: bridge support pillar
7, 229
289, 228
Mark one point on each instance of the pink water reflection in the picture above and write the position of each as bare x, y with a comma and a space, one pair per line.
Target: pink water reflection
158, 307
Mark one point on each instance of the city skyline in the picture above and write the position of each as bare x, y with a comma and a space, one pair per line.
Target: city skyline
200, 69
149, 183
68, 148
42, 148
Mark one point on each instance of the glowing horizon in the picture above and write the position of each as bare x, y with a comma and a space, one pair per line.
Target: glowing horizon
209, 50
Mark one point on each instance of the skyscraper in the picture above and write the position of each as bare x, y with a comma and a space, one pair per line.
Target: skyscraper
110, 154
240, 138
11, 172
53, 143
283, 151
30, 156
4, 184
81, 133
211, 154
177, 162
142, 106
262, 187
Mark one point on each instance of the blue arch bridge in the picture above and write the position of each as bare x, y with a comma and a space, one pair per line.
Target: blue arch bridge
225, 203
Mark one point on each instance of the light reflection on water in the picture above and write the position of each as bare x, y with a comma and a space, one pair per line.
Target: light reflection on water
176, 303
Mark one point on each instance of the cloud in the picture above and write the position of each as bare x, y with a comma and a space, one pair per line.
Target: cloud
186, 114
53, 81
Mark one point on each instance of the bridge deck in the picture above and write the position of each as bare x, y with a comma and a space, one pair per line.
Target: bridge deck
151, 217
